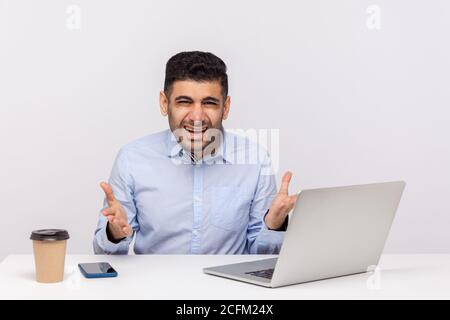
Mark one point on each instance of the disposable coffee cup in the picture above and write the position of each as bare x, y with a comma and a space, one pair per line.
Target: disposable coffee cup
49, 246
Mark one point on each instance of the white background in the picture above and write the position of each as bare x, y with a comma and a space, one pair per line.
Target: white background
353, 104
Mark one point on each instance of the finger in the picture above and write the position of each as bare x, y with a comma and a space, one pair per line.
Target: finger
292, 202
120, 222
109, 211
285, 182
107, 189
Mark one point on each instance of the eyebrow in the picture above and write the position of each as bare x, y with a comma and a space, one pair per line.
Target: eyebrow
183, 98
211, 99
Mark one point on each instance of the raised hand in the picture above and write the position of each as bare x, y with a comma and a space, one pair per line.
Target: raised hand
118, 226
281, 205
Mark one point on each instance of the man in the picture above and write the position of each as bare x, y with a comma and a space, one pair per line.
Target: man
189, 189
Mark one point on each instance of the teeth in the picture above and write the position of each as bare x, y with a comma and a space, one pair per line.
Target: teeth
195, 131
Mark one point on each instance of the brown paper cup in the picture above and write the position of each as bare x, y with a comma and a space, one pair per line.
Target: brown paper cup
49, 247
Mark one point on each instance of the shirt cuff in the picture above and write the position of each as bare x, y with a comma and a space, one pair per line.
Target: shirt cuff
111, 247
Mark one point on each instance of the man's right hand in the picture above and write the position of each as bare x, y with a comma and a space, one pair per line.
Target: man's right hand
118, 226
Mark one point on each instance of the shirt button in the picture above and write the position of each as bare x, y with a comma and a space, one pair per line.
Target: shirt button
195, 232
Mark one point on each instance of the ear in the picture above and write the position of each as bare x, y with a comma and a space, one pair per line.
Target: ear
226, 108
163, 103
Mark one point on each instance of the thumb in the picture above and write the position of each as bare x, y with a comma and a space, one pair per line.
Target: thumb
285, 182
107, 189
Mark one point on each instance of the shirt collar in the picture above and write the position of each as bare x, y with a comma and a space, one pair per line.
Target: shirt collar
224, 153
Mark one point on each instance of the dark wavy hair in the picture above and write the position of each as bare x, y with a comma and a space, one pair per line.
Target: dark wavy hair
197, 66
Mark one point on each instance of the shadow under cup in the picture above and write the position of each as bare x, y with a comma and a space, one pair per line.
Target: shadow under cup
49, 247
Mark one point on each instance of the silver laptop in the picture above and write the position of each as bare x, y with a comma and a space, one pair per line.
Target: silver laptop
332, 232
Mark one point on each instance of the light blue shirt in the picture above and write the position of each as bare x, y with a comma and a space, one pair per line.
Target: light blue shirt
214, 206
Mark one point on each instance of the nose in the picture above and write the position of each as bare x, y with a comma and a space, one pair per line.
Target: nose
196, 114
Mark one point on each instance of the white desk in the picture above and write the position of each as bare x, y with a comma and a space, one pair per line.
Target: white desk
181, 277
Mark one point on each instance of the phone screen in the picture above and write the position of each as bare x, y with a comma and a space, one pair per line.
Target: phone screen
97, 268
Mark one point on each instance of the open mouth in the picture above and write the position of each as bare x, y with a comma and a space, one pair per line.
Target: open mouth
195, 133
195, 130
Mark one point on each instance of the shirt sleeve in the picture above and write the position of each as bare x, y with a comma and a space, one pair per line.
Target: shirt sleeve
122, 185
260, 239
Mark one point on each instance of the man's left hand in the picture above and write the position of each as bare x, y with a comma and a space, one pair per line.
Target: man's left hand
281, 205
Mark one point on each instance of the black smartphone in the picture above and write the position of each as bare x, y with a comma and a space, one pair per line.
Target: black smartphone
97, 270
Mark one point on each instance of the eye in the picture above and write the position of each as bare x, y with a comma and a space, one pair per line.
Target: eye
183, 102
212, 103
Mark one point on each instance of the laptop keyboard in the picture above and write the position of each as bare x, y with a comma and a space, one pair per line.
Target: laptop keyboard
267, 273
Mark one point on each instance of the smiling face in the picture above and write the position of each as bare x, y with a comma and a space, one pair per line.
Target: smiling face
194, 109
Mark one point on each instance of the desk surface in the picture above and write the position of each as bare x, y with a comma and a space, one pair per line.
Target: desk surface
181, 277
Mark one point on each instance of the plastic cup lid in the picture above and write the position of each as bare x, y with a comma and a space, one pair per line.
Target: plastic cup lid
49, 235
